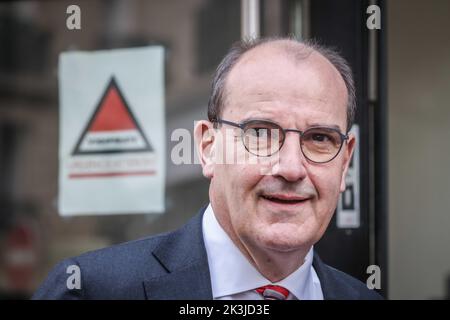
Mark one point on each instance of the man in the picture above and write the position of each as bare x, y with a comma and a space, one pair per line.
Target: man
284, 108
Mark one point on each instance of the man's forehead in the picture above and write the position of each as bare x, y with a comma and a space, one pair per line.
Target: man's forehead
270, 75
285, 55
265, 66
278, 50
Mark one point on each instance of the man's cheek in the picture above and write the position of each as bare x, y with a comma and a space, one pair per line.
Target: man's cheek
327, 191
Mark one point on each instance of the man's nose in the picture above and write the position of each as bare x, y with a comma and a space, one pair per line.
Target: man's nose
291, 162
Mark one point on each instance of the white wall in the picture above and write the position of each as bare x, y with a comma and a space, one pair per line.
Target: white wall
419, 147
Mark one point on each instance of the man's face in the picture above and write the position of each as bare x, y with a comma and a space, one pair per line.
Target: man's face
290, 208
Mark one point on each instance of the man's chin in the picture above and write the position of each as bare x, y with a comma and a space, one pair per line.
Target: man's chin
285, 241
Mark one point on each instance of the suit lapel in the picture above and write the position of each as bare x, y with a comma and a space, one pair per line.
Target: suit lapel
333, 287
327, 282
190, 283
182, 255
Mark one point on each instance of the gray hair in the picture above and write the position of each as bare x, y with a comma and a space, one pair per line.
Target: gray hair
216, 99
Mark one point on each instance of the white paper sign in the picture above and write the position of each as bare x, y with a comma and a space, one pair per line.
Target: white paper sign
112, 135
348, 210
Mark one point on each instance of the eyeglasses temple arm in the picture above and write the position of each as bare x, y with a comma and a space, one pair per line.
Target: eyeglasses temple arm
229, 123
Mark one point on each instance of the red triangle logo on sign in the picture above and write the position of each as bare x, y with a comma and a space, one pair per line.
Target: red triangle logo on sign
112, 128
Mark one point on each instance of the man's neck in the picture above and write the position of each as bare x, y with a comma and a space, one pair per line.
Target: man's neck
273, 265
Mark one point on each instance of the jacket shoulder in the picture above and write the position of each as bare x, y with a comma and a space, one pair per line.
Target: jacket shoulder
120, 271
338, 285
359, 287
113, 272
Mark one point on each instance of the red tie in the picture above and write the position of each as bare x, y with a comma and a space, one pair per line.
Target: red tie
271, 292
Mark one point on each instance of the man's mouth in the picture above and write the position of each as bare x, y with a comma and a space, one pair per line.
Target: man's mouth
284, 199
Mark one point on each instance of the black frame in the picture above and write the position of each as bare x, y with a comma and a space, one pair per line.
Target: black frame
344, 137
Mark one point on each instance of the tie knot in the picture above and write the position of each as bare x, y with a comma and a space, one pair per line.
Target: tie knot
271, 292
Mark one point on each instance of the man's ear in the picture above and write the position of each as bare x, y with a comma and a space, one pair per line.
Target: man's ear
348, 152
204, 136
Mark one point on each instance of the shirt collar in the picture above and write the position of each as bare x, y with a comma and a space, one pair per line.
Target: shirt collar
232, 273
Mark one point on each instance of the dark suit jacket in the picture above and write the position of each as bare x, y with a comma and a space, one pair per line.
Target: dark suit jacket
168, 266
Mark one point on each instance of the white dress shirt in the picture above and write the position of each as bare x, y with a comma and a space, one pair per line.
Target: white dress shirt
233, 277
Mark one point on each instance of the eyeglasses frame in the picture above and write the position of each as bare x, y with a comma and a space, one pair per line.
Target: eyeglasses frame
242, 125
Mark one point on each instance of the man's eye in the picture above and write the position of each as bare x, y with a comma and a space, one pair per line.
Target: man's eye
262, 132
318, 137
323, 138
259, 132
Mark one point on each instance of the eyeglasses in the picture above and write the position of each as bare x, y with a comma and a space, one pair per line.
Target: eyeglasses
264, 138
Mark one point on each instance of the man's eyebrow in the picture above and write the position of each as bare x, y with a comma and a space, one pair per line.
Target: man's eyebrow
316, 124
332, 126
257, 119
